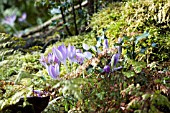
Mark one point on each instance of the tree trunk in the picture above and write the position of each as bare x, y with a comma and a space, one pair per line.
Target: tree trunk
90, 7
64, 21
74, 17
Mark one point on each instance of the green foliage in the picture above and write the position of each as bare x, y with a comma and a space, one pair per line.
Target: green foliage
148, 15
133, 17
110, 18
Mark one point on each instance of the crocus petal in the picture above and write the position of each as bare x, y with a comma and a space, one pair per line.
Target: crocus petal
38, 92
71, 52
43, 60
119, 40
88, 55
106, 68
57, 72
58, 54
115, 59
55, 59
13, 18
80, 58
50, 58
105, 44
85, 47
118, 68
53, 71
63, 50
78, 51
49, 70
23, 17
98, 50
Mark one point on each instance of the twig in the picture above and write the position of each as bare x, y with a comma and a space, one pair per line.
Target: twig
93, 61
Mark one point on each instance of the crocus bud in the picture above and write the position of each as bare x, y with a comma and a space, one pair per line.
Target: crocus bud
115, 59
71, 53
107, 68
105, 44
53, 71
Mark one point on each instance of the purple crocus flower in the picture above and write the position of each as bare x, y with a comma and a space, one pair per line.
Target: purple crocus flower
43, 60
115, 59
61, 53
87, 54
79, 56
105, 44
85, 47
53, 71
55, 59
106, 68
10, 20
50, 58
23, 17
71, 53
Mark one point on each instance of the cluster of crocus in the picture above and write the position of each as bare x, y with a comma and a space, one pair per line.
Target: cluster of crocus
59, 56
103, 42
10, 20
114, 59
113, 63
